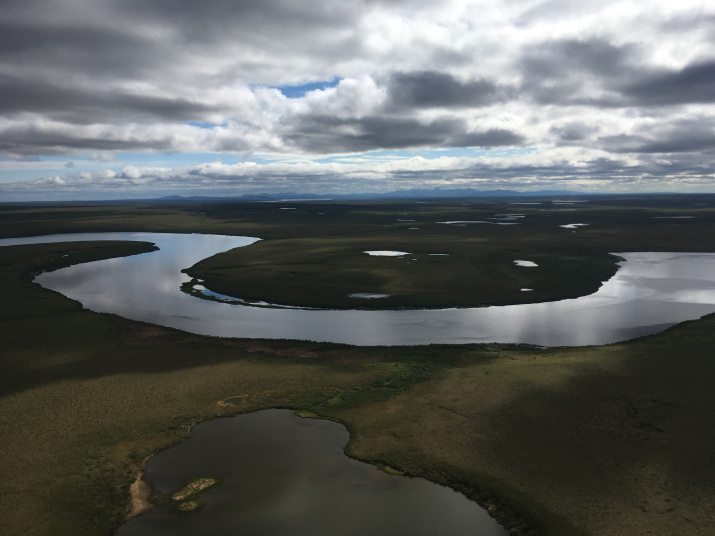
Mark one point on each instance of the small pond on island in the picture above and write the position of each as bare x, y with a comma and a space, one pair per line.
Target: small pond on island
283, 474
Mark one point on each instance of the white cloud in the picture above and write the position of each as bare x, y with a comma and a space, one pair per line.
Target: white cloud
577, 168
584, 85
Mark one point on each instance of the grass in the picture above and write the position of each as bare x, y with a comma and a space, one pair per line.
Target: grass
559, 441
612, 440
314, 256
405, 375
86, 397
186, 499
322, 272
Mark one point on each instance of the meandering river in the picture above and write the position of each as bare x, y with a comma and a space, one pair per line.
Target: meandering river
650, 292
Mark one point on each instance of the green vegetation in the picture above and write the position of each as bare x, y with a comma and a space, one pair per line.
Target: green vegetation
314, 255
558, 441
406, 375
323, 272
186, 499
320, 266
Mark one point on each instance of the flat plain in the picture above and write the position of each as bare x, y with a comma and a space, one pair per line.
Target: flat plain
558, 441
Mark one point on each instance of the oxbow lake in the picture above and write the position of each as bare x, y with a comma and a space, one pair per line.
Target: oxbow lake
650, 292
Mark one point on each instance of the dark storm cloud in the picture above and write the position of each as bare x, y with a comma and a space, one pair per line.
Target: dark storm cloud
595, 56
75, 104
75, 49
324, 134
264, 28
27, 140
695, 83
683, 136
561, 72
601, 74
493, 137
572, 131
431, 89
221, 40
201, 20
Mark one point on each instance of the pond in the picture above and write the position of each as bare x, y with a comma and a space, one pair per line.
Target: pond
286, 475
650, 292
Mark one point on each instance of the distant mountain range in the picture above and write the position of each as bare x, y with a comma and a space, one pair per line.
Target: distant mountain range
397, 194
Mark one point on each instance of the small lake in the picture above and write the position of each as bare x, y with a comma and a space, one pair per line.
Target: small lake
287, 475
650, 292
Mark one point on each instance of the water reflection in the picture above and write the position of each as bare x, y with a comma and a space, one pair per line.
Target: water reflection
650, 292
287, 475
387, 253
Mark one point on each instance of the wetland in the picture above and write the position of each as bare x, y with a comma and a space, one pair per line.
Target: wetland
603, 440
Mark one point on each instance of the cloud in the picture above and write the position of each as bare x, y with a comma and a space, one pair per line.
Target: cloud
676, 137
572, 71
430, 89
55, 100
571, 131
628, 87
693, 84
561, 168
326, 134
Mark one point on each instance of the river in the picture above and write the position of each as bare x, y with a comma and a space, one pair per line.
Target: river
650, 292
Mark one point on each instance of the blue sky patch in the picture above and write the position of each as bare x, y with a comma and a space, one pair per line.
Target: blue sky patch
429, 154
204, 124
296, 92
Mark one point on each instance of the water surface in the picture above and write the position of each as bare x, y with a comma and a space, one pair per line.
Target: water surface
387, 253
287, 475
650, 292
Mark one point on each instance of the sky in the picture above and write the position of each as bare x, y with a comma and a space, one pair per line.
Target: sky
117, 99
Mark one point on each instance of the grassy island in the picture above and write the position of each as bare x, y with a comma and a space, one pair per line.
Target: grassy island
186, 499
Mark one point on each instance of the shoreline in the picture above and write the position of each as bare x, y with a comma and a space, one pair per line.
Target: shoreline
515, 522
